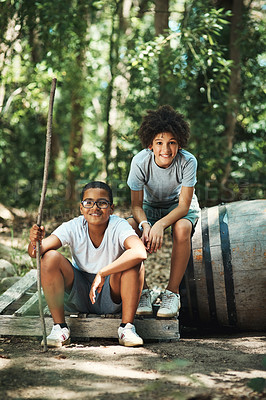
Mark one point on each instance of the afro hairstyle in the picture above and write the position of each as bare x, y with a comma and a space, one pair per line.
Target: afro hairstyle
164, 119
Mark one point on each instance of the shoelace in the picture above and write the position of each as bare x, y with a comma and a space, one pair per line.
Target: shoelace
144, 300
132, 332
129, 331
167, 300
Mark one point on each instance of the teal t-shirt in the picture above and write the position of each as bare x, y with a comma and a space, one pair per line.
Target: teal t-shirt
163, 185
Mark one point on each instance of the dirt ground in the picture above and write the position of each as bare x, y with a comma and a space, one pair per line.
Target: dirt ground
214, 367
209, 366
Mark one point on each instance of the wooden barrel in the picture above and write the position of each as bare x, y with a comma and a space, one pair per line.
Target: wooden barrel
225, 282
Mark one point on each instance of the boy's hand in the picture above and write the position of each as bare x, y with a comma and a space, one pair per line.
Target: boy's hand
36, 234
155, 237
97, 284
145, 235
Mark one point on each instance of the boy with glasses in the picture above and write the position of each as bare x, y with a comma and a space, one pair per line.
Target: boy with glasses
106, 273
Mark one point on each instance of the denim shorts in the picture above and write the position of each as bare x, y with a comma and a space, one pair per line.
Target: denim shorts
77, 300
153, 213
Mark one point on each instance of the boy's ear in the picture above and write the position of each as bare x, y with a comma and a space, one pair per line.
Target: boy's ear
81, 208
150, 147
112, 208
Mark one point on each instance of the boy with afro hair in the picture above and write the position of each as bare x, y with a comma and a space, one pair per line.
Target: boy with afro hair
162, 178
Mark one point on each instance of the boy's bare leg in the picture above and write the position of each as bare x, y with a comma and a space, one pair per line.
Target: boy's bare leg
134, 225
180, 253
56, 276
127, 287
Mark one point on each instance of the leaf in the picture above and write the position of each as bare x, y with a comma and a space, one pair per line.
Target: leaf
210, 40
257, 384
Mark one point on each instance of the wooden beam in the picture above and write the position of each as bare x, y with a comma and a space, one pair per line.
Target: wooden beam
91, 327
17, 290
26, 307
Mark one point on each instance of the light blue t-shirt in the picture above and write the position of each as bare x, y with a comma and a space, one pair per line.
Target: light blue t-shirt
163, 185
87, 257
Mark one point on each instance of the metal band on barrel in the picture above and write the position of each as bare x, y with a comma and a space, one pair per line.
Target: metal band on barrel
227, 264
208, 265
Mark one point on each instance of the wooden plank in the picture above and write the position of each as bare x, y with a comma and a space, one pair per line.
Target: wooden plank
29, 304
17, 290
93, 327
155, 329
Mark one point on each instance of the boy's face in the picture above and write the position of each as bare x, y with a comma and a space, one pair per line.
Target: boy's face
96, 215
165, 148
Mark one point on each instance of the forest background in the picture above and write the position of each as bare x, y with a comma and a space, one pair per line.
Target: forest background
113, 60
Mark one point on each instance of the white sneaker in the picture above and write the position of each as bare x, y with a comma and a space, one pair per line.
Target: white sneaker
145, 306
170, 305
128, 336
58, 337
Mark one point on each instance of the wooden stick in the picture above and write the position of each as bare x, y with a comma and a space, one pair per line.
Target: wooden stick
40, 212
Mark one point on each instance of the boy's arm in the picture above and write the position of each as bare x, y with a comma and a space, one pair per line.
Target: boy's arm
136, 205
139, 214
134, 254
157, 230
181, 210
37, 234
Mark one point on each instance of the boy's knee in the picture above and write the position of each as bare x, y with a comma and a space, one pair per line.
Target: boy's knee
182, 232
139, 271
136, 270
49, 259
139, 267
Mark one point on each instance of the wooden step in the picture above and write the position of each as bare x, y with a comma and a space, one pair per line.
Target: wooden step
91, 327
19, 317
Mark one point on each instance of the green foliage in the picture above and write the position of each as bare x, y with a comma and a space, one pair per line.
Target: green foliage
71, 40
257, 384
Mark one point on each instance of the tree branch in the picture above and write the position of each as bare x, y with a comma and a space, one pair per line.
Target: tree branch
40, 212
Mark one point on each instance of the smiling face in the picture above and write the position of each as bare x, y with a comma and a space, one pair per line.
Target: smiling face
96, 215
165, 148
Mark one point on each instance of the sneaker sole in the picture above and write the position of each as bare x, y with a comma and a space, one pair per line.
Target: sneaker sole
144, 312
167, 316
130, 344
159, 315
56, 344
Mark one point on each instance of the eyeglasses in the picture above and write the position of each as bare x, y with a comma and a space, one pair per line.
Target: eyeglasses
99, 203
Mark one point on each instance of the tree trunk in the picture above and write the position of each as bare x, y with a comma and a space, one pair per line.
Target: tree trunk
55, 148
124, 15
234, 88
76, 137
161, 26
108, 138
113, 60
143, 8
78, 73
161, 16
